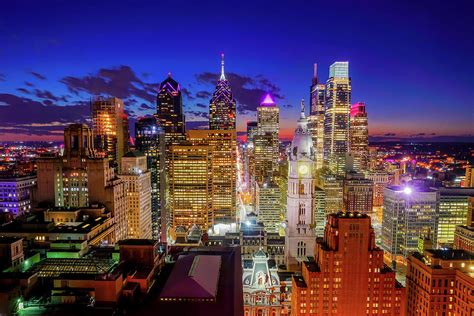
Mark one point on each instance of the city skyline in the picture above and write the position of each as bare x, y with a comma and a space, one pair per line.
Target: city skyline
406, 82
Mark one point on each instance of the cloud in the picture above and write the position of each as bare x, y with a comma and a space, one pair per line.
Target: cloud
287, 106
145, 106
202, 105
29, 84
196, 115
203, 94
389, 134
247, 91
42, 119
45, 94
187, 93
120, 82
38, 75
23, 90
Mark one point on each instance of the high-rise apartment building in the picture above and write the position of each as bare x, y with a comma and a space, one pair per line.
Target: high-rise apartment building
224, 170
110, 127
268, 207
336, 119
150, 140
15, 194
409, 212
316, 117
453, 211
359, 136
190, 182
222, 105
440, 282
348, 276
358, 193
300, 235
137, 178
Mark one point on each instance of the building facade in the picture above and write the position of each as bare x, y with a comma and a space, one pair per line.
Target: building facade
15, 194
358, 193
268, 206
316, 117
348, 276
359, 136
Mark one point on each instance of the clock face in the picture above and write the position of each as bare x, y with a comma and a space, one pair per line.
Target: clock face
303, 169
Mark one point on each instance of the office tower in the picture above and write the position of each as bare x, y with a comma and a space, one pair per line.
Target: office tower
190, 182
348, 276
358, 193
469, 180
222, 104
15, 194
453, 211
319, 206
169, 109
137, 178
464, 238
440, 282
62, 181
333, 187
224, 170
268, 206
150, 140
268, 120
359, 136
316, 117
408, 212
263, 155
251, 130
381, 180
336, 117
110, 127
300, 236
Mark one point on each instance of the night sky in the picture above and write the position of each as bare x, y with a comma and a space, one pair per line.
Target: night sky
410, 61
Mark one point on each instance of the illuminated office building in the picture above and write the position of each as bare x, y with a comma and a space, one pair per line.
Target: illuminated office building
263, 157
358, 193
469, 179
268, 120
359, 136
440, 282
336, 119
110, 127
137, 178
268, 206
150, 140
409, 212
381, 180
224, 170
316, 117
190, 182
348, 276
300, 237
222, 105
169, 109
333, 191
453, 211
251, 130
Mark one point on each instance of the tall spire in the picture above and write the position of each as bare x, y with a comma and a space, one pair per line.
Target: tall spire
315, 74
222, 67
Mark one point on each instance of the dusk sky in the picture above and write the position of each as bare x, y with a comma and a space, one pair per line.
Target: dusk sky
410, 61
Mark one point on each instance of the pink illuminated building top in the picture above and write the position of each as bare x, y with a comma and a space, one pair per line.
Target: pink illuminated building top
268, 100
358, 109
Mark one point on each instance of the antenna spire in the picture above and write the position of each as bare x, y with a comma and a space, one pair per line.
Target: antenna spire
315, 74
222, 67
302, 108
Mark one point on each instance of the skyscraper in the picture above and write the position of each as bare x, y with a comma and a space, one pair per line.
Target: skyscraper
268, 206
224, 163
348, 276
110, 127
169, 109
359, 136
191, 186
300, 236
268, 120
222, 105
409, 212
251, 130
316, 117
138, 181
150, 140
336, 118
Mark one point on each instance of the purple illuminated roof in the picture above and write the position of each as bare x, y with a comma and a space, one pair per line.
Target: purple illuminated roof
268, 100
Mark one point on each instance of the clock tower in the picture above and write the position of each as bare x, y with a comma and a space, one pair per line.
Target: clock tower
300, 235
